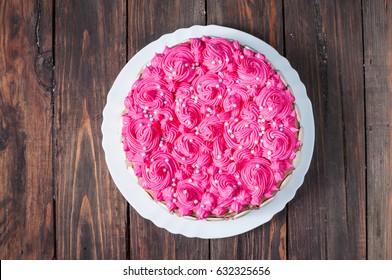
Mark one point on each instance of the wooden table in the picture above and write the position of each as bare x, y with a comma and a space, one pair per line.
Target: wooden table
58, 60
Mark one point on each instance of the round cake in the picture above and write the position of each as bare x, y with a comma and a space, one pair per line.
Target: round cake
210, 129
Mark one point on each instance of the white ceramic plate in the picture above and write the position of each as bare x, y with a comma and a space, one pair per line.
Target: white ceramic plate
126, 181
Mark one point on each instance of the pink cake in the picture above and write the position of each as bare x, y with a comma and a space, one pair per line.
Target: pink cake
210, 129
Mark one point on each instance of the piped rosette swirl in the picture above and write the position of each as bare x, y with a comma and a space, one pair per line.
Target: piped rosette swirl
210, 129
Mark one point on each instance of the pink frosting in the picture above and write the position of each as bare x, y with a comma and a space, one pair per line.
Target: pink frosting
210, 127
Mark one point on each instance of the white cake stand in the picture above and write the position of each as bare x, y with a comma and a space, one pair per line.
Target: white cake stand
127, 182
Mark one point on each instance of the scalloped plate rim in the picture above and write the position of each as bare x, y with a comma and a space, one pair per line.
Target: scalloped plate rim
124, 180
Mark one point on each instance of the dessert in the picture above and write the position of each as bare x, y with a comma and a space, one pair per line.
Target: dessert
210, 129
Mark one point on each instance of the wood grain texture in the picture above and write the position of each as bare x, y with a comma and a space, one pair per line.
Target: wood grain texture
263, 19
148, 20
26, 200
327, 218
378, 86
90, 51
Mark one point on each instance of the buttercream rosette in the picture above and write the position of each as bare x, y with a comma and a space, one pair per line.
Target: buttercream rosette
210, 129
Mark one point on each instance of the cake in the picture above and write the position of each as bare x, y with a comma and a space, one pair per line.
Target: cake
210, 129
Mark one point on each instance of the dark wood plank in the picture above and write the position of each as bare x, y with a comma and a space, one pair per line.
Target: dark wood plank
148, 20
26, 200
378, 86
263, 19
327, 218
90, 51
